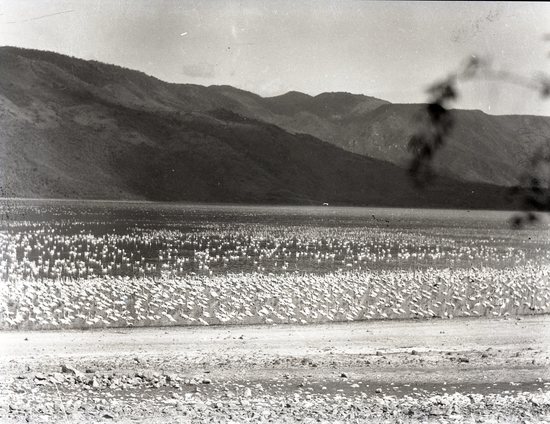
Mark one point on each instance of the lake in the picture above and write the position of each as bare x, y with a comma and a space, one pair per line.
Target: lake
157, 263
149, 238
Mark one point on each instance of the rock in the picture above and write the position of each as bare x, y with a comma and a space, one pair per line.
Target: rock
414, 352
463, 360
378, 390
71, 370
39, 376
206, 381
247, 392
344, 375
60, 378
19, 390
436, 410
108, 416
64, 368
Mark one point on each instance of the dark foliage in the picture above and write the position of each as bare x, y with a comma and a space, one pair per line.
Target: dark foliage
534, 190
436, 123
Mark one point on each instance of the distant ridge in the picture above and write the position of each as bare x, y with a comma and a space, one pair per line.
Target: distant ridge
71, 128
483, 148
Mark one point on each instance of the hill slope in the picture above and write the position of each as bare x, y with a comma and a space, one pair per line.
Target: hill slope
483, 148
72, 128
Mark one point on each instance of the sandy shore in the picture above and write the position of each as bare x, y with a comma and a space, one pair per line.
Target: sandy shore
473, 370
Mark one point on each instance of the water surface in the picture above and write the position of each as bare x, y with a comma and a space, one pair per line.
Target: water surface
80, 239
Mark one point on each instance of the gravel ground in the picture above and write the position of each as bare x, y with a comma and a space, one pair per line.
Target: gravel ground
468, 370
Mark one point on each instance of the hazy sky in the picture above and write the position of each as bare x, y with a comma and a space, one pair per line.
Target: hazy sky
388, 49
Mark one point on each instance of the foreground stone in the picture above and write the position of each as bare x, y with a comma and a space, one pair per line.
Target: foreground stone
197, 408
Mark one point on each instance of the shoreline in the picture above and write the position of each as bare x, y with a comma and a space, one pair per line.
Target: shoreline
417, 371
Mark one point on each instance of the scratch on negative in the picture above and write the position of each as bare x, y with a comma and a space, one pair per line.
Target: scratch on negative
43, 16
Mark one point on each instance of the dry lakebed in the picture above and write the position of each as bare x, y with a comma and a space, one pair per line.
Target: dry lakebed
462, 370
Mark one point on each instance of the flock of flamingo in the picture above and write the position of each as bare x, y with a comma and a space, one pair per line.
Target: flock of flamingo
71, 276
255, 298
51, 252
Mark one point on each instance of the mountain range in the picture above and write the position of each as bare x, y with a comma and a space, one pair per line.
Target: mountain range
71, 128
